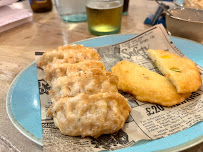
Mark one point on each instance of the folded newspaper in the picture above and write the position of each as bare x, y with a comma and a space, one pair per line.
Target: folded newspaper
146, 121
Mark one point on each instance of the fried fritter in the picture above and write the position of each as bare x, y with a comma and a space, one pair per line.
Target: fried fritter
198, 4
182, 72
90, 82
57, 69
85, 99
146, 85
69, 54
90, 115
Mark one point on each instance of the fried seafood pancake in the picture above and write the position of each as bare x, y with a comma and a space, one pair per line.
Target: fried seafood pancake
85, 99
90, 115
146, 85
56, 69
89, 82
182, 72
193, 3
69, 54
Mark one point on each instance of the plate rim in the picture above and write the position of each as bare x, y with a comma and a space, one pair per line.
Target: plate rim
112, 35
38, 141
12, 118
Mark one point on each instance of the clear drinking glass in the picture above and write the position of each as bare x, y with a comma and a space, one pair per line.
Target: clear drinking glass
104, 16
71, 10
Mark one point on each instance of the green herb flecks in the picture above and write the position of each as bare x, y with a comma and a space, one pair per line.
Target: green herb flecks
175, 69
155, 63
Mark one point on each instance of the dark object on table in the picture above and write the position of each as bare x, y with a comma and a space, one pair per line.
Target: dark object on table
40, 6
158, 17
125, 7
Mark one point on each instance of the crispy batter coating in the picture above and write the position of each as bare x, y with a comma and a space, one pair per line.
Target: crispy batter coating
57, 69
85, 99
193, 3
146, 85
69, 54
182, 72
90, 82
90, 115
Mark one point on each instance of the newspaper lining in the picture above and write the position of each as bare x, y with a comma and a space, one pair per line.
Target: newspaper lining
146, 121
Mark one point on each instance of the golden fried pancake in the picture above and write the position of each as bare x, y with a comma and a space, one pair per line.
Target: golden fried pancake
146, 85
90, 82
193, 3
69, 54
90, 115
85, 99
182, 72
57, 69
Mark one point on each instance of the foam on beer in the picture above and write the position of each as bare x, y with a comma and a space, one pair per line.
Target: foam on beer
104, 5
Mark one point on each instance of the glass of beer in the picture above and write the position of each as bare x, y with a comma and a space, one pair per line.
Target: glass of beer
104, 16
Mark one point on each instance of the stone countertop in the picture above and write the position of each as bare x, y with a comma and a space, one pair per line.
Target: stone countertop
48, 31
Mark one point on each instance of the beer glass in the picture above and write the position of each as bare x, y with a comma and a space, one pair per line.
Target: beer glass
104, 16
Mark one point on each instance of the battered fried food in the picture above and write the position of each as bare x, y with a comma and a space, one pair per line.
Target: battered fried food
146, 85
90, 115
69, 54
85, 99
193, 3
182, 72
57, 69
90, 82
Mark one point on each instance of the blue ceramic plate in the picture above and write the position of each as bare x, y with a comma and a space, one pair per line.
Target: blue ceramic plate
23, 104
